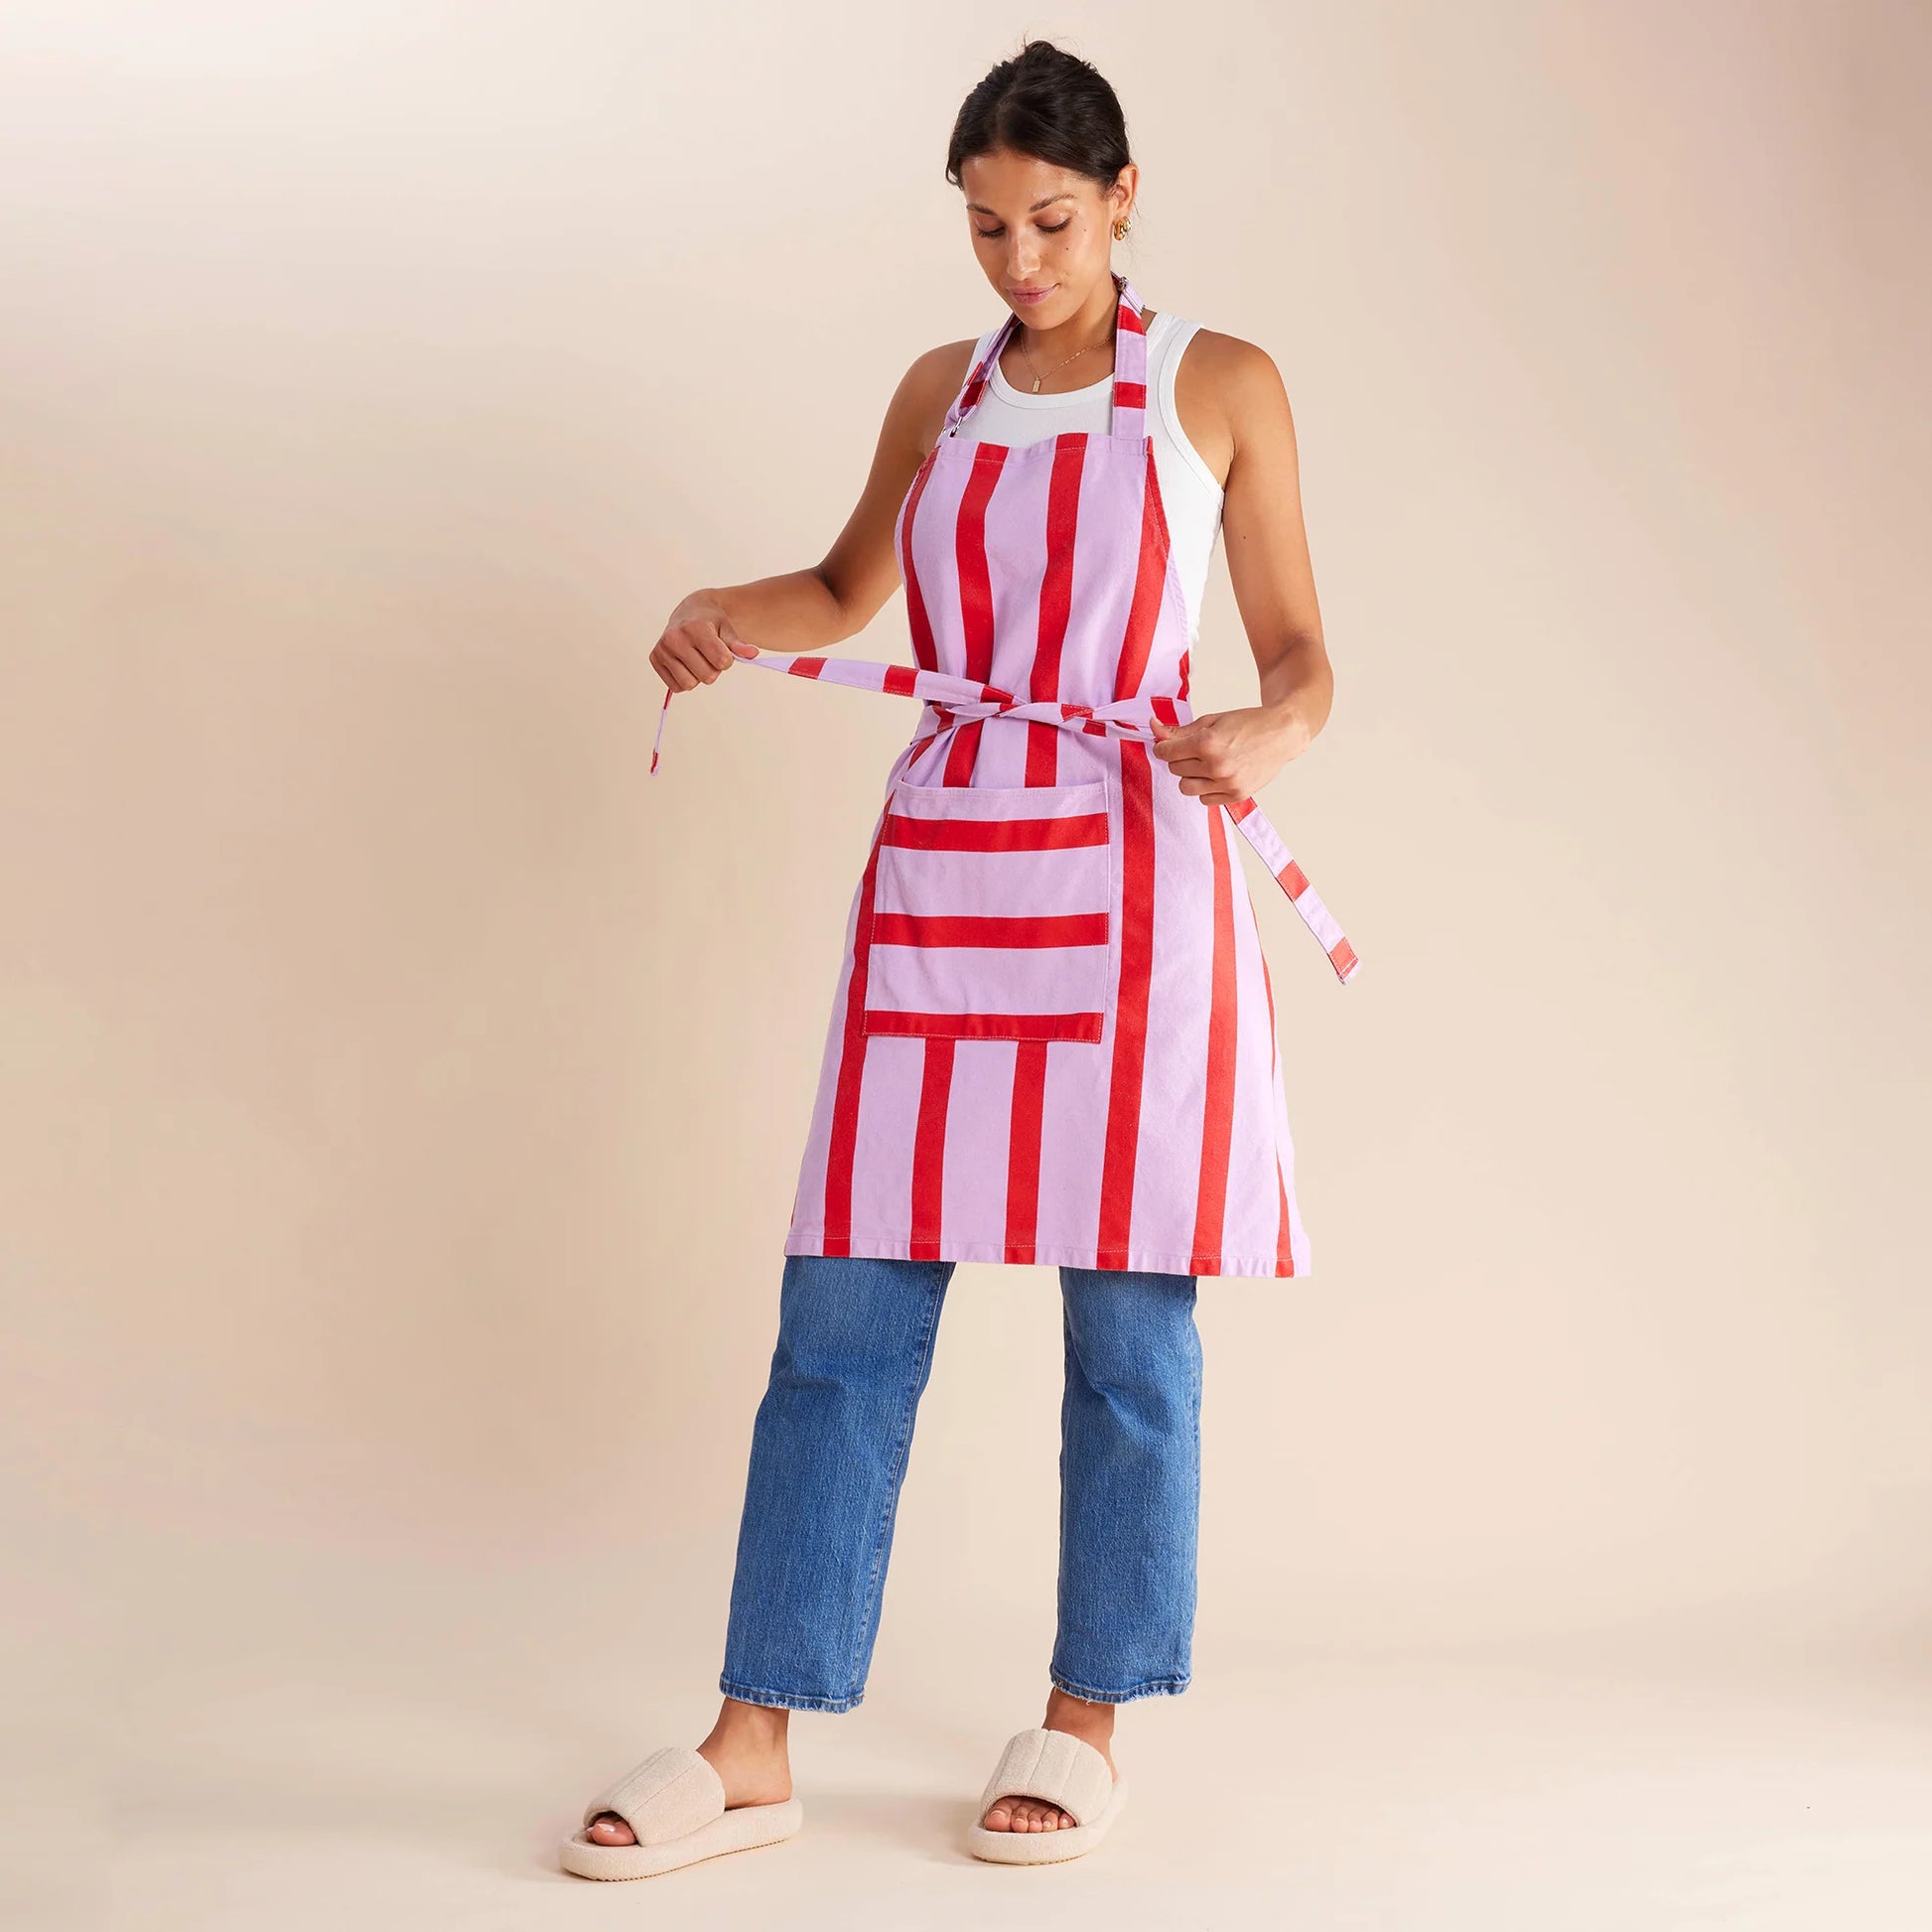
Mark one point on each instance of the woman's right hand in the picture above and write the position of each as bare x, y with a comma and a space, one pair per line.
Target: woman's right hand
698, 644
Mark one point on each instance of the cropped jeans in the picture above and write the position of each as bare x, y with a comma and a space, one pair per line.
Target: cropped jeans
829, 1448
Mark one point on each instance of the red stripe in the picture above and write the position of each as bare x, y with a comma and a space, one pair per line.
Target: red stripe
929, 1150
969, 542
852, 1067
982, 370
1284, 1235
975, 603
1042, 768
963, 754
1042, 753
919, 622
900, 681
997, 834
1344, 955
1295, 881
806, 668
1130, 1005
987, 1026
1223, 1033
1056, 581
974, 929
1023, 1148
1149, 583
1240, 809
1130, 395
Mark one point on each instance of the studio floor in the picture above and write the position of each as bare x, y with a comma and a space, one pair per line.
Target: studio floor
1552, 1788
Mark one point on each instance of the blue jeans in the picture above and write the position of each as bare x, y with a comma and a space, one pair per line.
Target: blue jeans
829, 1448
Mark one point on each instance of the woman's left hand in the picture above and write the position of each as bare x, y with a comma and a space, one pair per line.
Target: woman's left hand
1228, 755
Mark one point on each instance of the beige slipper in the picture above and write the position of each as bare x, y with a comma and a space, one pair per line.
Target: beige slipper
1059, 1769
674, 1802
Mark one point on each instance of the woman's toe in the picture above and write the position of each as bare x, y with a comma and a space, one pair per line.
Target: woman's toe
606, 1828
1025, 1815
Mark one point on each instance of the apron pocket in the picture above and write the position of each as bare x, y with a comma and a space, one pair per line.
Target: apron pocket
993, 914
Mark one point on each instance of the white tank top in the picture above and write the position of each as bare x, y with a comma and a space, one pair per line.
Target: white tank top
1188, 491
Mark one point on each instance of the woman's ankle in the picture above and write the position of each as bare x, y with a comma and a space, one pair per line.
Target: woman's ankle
1080, 1715
757, 1727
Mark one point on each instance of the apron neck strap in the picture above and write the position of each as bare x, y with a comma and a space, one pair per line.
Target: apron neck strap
1129, 414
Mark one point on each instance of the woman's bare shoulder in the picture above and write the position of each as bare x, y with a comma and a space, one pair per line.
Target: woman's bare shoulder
1229, 369
944, 368
1229, 396
926, 389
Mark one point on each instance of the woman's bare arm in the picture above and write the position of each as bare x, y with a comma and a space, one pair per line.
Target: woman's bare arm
806, 610
1234, 409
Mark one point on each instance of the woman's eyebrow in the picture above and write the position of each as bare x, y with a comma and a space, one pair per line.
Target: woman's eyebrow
980, 208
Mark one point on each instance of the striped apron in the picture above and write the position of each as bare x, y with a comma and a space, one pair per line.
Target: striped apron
1053, 1040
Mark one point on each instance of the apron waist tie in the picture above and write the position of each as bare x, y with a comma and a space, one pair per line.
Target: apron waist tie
956, 698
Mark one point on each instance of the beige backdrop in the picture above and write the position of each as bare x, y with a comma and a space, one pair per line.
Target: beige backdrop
403, 1092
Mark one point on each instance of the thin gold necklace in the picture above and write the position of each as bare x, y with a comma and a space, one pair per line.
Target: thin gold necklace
1074, 358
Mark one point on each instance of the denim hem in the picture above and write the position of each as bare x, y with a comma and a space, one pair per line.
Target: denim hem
787, 1700
1151, 1687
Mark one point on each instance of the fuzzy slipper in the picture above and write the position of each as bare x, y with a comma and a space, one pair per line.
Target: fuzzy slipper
675, 1804
1059, 1769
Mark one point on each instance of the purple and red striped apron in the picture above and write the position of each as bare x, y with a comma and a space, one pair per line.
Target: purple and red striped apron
1053, 1036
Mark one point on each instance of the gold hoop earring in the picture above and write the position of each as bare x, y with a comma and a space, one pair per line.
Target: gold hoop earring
1120, 228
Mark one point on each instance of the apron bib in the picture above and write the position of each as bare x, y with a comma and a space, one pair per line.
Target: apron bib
1053, 1040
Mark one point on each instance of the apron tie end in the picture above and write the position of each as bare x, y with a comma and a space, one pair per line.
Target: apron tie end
657, 741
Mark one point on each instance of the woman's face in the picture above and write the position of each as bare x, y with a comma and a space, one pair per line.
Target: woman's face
1042, 234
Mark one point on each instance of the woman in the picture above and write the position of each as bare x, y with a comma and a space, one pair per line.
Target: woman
1053, 1040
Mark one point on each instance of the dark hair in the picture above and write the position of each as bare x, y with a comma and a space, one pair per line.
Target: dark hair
1050, 104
